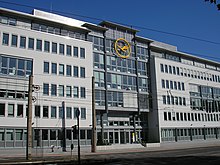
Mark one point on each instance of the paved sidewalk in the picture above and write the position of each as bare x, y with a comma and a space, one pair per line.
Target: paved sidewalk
17, 156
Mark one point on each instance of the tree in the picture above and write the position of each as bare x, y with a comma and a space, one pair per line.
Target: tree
214, 1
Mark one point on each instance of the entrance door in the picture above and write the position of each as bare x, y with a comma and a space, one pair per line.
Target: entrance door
116, 137
122, 137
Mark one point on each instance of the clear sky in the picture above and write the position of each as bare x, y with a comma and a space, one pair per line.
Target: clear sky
192, 18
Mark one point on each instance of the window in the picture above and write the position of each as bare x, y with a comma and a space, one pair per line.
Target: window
46, 67
83, 113
61, 49
45, 111
68, 91
68, 50
19, 134
20, 110
53, 135
82, 72
54, 68
53, 89
46, 46
14, 40
163, 83
165, 116
44, 134
75, 109
75, 51
166, 68
53, 112
76, 91
171, 84
2, 109
9, 134
54, 47
179, 86
175, 85
22, 42
11, 110
61, 90
167, 84
161, 68
82, 53
46, 89
75, 71
31, 43
5, 39
61, 112
37, 111
68, 70
183, 87
164, 99
39, 45
69, 112
82, 92
61, 69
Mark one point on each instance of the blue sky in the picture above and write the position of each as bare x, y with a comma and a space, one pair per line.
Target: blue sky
192, 18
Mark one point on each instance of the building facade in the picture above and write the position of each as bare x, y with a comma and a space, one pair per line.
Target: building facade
145, 91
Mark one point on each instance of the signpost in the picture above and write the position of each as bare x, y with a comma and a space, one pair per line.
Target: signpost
77, 115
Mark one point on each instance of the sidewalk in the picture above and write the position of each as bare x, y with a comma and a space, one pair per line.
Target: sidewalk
17, 156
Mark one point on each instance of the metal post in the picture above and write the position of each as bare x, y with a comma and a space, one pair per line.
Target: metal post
78, 137
64, 127
29, 120
93, 149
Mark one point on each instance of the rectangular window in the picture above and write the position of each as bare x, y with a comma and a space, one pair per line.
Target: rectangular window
54, 68
2, 109
31, 43
75, 71
11, 109
46, 46
61, 112
179, 86
19, 134
9, 134
5, 39
22, 42
68, 91
166, 68
183, 87
45, 111
68, 112
20, 110
171, 84
83, 92
46, 67
82, 53
44, 134
53, 89
82, 72
68, 70
61, 69
165, 116
14, 40
75, 51
53, 135
37, 111
161, 68
76, 91
46, 89
68, 50
75, 109
61, 49
53, 112
164, 99
61, 90
167, 84
163, 83
54, 47
83, 113
39, 45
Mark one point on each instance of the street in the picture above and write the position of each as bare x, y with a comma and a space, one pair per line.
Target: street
202, 156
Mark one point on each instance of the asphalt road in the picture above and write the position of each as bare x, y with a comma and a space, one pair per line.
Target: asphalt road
192, 156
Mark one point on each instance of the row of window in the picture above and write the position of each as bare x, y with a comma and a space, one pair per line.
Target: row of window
40, 45
13, 94
183, 116
62, 70
14, 66
18, 110
189, 73
173, 85
63, 91
174, 100
46, 134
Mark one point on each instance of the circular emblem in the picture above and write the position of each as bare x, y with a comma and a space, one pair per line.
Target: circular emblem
122, 48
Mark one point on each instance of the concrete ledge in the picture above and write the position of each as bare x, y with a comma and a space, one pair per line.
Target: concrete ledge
119, 146
153, 145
